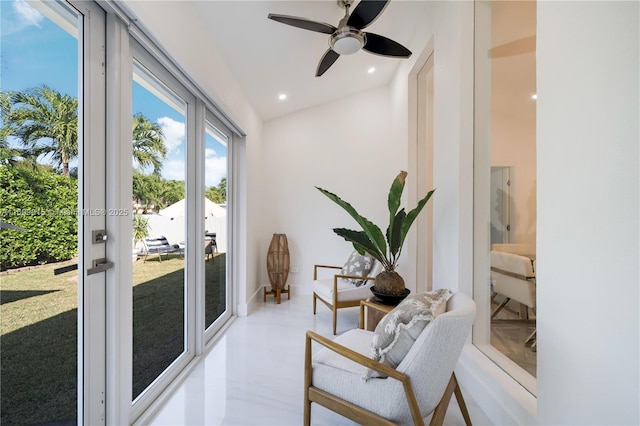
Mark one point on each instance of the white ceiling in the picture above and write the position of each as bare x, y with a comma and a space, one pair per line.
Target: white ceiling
269, 58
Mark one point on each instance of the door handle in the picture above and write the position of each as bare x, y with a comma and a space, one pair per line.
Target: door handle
99, 265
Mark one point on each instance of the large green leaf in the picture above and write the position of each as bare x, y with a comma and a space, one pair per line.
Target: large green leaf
371, 230
393, 202
411, 216
394, 233
361, 243
395, 193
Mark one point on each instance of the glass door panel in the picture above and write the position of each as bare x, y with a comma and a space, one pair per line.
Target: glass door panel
39, 189
52, 171
216, 238
159, 229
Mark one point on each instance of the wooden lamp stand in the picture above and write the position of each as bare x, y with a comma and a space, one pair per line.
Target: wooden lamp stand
278, 267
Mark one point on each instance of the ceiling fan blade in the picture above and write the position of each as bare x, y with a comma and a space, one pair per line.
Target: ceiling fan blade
366, 12
513, 48
381, 45
327, 60
305, 24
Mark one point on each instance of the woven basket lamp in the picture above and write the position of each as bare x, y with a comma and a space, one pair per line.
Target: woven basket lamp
278, 267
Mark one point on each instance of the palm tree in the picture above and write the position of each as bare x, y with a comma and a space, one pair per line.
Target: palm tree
47, 123
9, 154
148, 143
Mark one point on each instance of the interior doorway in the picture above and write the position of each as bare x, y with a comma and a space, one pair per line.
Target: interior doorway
424, 222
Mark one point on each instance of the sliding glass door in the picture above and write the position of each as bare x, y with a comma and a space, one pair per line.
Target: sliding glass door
52, 168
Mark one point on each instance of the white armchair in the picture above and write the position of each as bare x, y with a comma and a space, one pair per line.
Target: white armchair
336, 292
513, 276
423, 382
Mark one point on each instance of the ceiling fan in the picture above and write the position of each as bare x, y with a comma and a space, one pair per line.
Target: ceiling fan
348, 37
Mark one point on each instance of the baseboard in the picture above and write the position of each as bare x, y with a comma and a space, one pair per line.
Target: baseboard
245, 309
503, 399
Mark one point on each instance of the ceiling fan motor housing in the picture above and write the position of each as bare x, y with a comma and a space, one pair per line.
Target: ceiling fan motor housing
347, 40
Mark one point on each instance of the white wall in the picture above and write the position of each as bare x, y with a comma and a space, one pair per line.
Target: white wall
448, 35
180, 31
588, 280
347, 147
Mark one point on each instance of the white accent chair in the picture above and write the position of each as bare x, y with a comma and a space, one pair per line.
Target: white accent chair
422, 383
513, 274
336, 292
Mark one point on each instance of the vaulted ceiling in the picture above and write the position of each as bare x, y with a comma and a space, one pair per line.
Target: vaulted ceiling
269, 58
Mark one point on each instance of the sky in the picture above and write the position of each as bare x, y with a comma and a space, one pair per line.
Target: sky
35, 51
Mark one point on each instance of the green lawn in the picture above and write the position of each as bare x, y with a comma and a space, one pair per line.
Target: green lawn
38, 341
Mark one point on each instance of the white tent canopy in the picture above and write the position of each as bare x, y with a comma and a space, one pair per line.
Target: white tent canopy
177, 209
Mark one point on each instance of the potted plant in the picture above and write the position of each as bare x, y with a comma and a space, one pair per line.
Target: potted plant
386, 248
140, 232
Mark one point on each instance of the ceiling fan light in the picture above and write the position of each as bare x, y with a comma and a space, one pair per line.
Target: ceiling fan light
347, 45
347, 41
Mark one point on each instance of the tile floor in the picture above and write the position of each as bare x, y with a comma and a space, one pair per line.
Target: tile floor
254, 373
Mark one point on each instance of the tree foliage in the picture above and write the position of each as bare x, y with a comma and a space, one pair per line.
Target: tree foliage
153, 190
148, 144
218, 194
46, 204
46, 121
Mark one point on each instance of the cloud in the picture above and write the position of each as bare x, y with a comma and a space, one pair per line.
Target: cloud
27, 14
174, 132
173, 170
215, 168
20, 17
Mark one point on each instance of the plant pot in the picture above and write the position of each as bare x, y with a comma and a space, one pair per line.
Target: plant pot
387, 299
390, 283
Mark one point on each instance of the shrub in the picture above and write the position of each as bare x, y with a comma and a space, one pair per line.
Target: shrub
47, 205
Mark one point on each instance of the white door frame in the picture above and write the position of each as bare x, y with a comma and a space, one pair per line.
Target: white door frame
92, 213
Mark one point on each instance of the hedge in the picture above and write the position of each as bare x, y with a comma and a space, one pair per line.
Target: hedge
46, 204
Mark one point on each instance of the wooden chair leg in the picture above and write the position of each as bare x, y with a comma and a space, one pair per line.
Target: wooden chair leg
499, 308
307, 381
441, 409
315, 299
461, 403
335, 319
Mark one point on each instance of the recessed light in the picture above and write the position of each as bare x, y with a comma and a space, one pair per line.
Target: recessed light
534, 96
371, 70
282, 96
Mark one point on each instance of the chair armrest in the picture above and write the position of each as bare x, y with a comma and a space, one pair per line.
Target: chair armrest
315, 269
356, 277
335, 283
357, 357
365, 361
